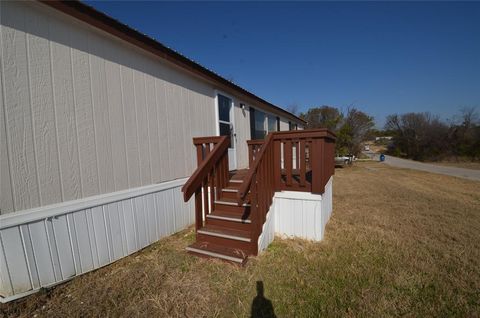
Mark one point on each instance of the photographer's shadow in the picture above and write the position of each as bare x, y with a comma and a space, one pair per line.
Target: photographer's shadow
261, 306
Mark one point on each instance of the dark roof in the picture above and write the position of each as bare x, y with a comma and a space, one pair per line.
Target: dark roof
102, 21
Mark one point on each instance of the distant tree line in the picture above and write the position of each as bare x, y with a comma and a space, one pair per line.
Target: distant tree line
352, 126
425, 137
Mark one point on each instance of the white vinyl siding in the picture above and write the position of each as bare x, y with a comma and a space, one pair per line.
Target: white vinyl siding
85, 113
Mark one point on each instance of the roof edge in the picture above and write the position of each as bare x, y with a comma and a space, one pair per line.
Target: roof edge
100, 20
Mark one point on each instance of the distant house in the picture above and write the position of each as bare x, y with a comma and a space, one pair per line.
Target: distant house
383, 138
96, 129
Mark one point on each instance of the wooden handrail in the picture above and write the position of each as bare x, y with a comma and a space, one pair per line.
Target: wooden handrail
205, 140
243, 190
311, 133
195, 181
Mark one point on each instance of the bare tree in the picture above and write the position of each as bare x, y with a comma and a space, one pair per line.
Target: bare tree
293, 108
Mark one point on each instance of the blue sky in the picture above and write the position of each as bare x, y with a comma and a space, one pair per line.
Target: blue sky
383, 58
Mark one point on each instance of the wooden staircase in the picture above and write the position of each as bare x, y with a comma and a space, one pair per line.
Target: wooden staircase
231, 207
226, 232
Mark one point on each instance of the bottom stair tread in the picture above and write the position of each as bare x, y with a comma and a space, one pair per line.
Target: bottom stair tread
212, 250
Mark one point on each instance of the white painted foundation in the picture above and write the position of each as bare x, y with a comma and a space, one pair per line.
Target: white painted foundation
45, 246
297, 214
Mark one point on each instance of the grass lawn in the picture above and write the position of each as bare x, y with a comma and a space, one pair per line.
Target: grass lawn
461, 164
399, 243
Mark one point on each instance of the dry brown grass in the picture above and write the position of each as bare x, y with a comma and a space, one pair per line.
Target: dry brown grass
400, 243
460, 164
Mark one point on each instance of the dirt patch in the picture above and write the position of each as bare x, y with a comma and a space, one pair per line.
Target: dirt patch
399, 242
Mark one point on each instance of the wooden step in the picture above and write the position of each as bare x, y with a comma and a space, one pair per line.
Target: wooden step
229, 220
231, 234
234, 185
231, 202
230, 193
229, 216
207, 249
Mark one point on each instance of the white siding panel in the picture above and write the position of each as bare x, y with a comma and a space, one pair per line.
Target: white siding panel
103, 137
65, 112
42, 253
84, 115
6, 195
130, 120
116, 234
163, 135
43, 112
153, 129
304, 215
30, 255
16, 262
18, 112
64, 246
115, 109
130, 227
49, 250
151, 218
101, 238
283, 124
142, 128
141, 222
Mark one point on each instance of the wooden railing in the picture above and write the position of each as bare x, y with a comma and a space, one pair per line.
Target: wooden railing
298, 161
260, 182
210, 177
303, 159
253, 149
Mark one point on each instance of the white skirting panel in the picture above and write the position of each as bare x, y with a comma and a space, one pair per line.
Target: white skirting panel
44, 246
297, 214
268, 230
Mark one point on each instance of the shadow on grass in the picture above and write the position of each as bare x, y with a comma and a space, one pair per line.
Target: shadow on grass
262, 307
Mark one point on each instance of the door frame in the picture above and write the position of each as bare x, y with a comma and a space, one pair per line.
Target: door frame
232, 122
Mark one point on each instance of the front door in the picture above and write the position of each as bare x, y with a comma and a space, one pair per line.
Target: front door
226, 126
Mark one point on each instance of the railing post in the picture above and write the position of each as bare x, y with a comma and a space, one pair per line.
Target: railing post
277, 157
288, 162
317, 164
198, 209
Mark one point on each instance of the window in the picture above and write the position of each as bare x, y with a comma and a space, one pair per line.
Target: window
257, 124
272, 123
278, 123
224, 122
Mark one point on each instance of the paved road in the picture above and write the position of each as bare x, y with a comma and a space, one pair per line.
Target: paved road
450, 171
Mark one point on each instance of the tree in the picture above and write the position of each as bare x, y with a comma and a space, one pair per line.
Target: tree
355, 129
420, 136
351, 128
293, 108
322, 117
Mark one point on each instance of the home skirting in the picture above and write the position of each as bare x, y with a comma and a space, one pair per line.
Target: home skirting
45, 246
297, 214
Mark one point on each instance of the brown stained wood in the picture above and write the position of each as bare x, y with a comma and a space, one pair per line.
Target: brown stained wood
311, 151
313, 133
205, 196
317, 166
302, 162
276, 164
248, 179
198, 209
199, 154
288, 161
206, 140
195, 181
212, 188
